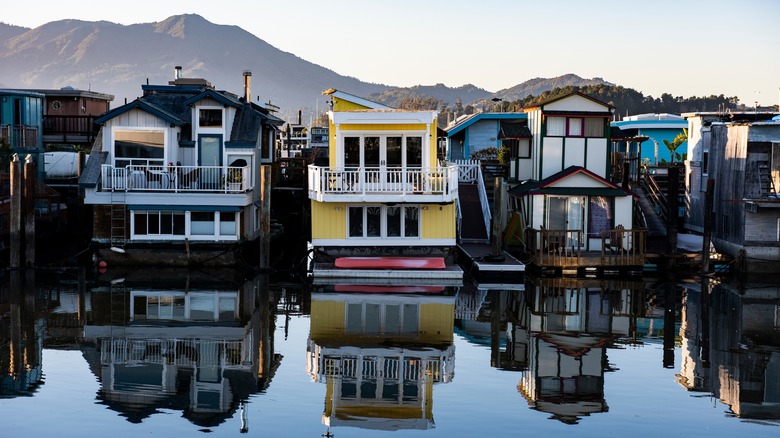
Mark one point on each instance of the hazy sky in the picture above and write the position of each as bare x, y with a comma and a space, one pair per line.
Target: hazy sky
683, 47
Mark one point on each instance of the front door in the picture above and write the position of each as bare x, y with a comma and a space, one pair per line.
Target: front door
210, 160
567, 213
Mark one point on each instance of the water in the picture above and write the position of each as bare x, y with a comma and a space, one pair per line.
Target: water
180, 353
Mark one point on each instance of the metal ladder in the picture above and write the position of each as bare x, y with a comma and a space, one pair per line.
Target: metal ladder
118, 219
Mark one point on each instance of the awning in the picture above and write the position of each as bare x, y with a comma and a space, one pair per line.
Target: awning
220, 208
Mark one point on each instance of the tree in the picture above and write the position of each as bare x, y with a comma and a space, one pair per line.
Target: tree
675, 143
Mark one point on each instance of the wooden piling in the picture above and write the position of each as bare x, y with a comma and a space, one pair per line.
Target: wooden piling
15, 220
29, 211
265, 216
672, 197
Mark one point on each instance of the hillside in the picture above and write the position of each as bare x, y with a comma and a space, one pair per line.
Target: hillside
118, 59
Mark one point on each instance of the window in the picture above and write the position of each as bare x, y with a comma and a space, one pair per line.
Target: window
139, 147
159, 223
575, 127
705, 163
210, 118
594, 127
556, 126
600, 215
383, 222
560, 126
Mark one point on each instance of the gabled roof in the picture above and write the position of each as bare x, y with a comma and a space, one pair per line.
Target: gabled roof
220, 96
145, 106
565, 96
355, 99
551, 185
464, 123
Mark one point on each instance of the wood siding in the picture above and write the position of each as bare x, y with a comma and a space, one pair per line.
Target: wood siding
329, 220
438, 221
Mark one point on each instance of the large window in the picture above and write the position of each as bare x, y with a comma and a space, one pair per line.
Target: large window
175, 225
139, 147
601, 217
384, 151
384, 222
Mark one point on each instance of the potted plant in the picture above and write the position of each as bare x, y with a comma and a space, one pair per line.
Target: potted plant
232, 179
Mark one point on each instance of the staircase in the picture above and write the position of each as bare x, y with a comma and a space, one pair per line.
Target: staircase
472, 221
765, 180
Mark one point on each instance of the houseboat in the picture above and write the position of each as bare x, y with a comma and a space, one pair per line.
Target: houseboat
174, 176
380, 355
382, 194
575, 219
740, 153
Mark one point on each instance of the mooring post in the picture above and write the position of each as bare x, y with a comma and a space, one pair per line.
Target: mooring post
265, 215
15, 221
29, 211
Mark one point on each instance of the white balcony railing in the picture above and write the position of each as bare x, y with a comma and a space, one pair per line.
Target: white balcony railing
415, 184
213, 179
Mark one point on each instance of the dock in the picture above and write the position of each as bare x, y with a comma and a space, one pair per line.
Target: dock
481, 265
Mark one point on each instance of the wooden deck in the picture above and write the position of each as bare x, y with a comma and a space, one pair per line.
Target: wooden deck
559, 253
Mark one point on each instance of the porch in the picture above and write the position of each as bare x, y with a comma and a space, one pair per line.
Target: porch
175, 179
560, 252
383, 184
20, 136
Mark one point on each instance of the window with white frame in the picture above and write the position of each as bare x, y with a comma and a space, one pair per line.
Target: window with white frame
139, 147
384, 222
176, 225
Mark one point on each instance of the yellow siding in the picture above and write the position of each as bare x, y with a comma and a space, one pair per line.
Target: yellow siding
382, 127
332, 144
436, 323
345, 105
327, 319
438, 221
327, 222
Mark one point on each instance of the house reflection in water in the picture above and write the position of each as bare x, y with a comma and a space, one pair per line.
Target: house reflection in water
22, 327
731, 346
380, 350
191, 345
572, 323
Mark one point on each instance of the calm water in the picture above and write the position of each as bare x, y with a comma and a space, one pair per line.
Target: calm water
127, 354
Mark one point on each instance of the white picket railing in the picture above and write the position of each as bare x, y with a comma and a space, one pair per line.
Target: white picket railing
136, 178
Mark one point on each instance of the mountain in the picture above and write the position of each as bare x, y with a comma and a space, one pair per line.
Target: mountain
447, 95
117, 59
537, 86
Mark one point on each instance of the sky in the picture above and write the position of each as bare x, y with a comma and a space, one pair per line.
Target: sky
682, 47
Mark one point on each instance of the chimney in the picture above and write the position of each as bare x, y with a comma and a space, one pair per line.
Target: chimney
247, 86
177, 72
299, 117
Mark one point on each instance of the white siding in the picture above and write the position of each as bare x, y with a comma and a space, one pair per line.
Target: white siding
576, 103
553, 154
525, 166
579, 180
624, 211
597, 156
575, 152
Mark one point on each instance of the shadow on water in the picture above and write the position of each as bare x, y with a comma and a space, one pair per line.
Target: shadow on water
203, 342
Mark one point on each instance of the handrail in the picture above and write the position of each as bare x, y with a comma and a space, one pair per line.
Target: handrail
134, 178
379, 180
483, 200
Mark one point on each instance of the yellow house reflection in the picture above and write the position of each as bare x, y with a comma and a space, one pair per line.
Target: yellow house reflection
380, 355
